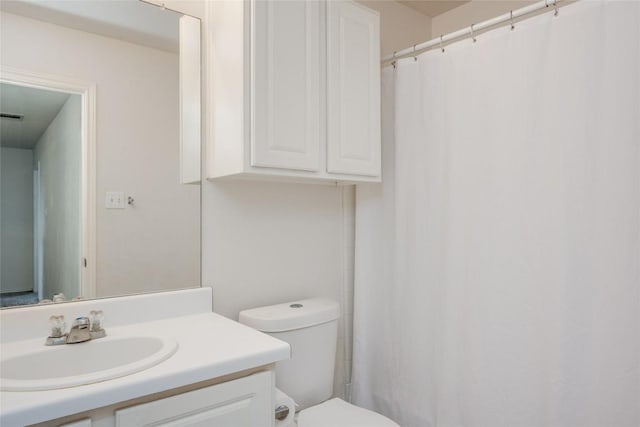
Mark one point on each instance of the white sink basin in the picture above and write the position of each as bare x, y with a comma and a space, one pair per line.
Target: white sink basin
47, 368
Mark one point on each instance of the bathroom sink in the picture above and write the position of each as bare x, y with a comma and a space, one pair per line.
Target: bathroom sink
48, 368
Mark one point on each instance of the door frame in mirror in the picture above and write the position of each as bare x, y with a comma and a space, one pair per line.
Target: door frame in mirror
87, 92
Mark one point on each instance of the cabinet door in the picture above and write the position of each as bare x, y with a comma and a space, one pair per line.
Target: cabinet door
286, 85
353, 89
239, 403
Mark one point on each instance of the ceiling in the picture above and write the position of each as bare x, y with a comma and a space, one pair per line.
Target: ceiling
433, 7
129, 20
39, 108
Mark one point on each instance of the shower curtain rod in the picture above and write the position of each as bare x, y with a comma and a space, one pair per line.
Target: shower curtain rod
472, 30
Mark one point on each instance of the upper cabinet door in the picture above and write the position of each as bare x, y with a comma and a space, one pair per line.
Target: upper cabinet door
353, 89
286, 85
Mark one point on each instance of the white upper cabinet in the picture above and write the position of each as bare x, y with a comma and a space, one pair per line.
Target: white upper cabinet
294, 90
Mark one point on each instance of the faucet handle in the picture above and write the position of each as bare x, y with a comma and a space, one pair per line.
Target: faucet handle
97, 331
96, 317
58, 326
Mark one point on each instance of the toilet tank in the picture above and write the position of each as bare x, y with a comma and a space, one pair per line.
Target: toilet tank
311, 328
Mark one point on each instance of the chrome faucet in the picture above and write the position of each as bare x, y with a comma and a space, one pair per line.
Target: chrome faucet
82, 329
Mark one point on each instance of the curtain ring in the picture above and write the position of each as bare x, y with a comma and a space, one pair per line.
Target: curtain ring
441, 47
473, 36
415, 57
513, 26
555, 4
546, 3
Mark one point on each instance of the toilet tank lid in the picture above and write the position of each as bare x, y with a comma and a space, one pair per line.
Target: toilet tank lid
291, 315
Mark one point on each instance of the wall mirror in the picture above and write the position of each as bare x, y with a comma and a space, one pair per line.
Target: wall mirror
100, 149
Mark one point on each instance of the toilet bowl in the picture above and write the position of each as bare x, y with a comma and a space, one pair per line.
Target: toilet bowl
338, 413
311, 328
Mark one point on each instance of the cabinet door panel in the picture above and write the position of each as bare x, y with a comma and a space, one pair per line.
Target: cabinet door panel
353, 89
242, 402
286, 85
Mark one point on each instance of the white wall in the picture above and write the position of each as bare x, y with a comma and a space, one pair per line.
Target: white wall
400, 26
58, 154
154, 245
266, 243
16, 181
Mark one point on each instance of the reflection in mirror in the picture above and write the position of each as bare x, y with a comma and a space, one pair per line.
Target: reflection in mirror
40, 194
100, 149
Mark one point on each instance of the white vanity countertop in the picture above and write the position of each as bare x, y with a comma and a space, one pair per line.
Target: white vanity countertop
210, 346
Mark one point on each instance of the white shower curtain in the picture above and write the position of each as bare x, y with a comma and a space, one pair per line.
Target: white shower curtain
497, 266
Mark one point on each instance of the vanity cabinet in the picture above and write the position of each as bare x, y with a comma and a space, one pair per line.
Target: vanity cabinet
242, 401
294, 90
221, 374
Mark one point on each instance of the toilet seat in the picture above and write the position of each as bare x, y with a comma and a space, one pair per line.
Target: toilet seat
338, 413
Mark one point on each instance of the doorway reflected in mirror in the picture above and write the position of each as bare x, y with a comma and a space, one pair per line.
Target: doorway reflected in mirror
41, 181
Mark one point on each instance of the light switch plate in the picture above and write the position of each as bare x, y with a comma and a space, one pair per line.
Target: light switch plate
114, 200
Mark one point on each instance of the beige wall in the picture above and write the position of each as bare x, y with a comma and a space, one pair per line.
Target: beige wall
471, 13
400, 26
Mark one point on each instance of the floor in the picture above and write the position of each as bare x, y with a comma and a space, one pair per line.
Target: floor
10, 299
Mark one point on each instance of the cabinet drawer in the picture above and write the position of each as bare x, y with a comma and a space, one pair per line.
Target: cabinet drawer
242, 402
81, 423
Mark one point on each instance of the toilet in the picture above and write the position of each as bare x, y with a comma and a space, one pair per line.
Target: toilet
311, 328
